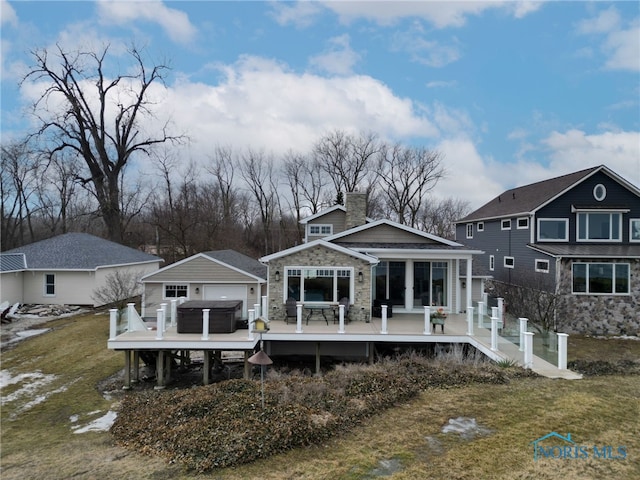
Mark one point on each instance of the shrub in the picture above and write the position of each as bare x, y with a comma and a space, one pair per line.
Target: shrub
223, 424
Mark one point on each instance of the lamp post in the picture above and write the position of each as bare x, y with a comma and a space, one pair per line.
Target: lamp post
261, 358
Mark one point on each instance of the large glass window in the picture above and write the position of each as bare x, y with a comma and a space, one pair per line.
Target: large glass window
390, 282
553, 230
439, 283
318, 284
600, 278
599, 226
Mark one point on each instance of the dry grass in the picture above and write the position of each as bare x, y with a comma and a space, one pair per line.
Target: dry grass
39, 442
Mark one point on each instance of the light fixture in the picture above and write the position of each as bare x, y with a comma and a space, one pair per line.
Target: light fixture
464, 284
360, 277
197, 290
277, 276
251, 290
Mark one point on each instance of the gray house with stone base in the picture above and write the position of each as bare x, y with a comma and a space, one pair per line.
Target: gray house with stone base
578, 235
370, 263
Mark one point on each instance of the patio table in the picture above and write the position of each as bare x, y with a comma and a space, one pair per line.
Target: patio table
318, 308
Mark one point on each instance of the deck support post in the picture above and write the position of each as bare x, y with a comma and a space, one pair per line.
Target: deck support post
159, 369
247, 366
528, 349
136, 366
480, 313
427, 320
252, 317
371, 353
113, 323
159, 324
163, 306
299, 318
174, 312
206, 368
127, 370
317, 358
523, 328
494, 333
384, 320
470, 320
205, 324
341, 318
562, 351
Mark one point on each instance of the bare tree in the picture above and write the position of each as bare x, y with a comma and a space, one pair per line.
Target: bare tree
18, 183
534, 298
120, 287
347, 159
83, 110
407, 175
438, 216
258, 173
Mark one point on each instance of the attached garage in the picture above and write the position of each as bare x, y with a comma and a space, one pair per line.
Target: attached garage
228, 292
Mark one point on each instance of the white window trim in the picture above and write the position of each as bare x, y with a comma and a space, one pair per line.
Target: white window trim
502, 223
302, 268
480, 227
541, 270
469, 228
566, 230
631, 222
604, 192
599, 240
44, 285
613, 294
526, 227
180, 284
504, 261
320, 227
492, 262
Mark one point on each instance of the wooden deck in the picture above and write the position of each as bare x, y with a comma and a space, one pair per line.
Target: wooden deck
400, 329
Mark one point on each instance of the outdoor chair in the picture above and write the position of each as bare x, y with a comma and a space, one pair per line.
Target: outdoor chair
336, 312
290, 310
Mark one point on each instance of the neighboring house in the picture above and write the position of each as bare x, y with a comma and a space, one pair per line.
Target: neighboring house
367, 262
216, 275
67, 269
579, 234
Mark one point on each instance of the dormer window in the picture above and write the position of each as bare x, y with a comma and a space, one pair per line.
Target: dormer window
320, 229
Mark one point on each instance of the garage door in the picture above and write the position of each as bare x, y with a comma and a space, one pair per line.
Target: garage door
227, 292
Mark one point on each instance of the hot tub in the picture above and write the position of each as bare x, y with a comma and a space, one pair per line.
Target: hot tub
223, 316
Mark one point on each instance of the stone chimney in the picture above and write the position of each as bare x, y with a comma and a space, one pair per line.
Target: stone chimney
356, 205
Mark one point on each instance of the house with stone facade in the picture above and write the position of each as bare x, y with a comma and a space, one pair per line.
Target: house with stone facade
370, 263
578, 235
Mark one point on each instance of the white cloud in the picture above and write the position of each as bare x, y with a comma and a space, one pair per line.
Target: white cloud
339, 59
574, 150
440, 14
7, 14
175, 22
441, 84
621, 43
263, 105
604, 22
424, 51
300, 14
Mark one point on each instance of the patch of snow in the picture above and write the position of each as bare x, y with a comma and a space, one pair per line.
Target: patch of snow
467, 427
35, 381
32, 333
74, 418
101, 424
616, 337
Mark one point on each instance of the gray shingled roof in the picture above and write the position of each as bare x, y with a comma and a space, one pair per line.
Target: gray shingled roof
527, 198
11, 262
590, 250
239, 261
79, 251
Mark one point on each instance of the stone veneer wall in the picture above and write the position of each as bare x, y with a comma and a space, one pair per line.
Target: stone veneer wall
321, 257
599, 314
356, 209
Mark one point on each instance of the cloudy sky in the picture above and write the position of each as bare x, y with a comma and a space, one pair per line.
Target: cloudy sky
509, 92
